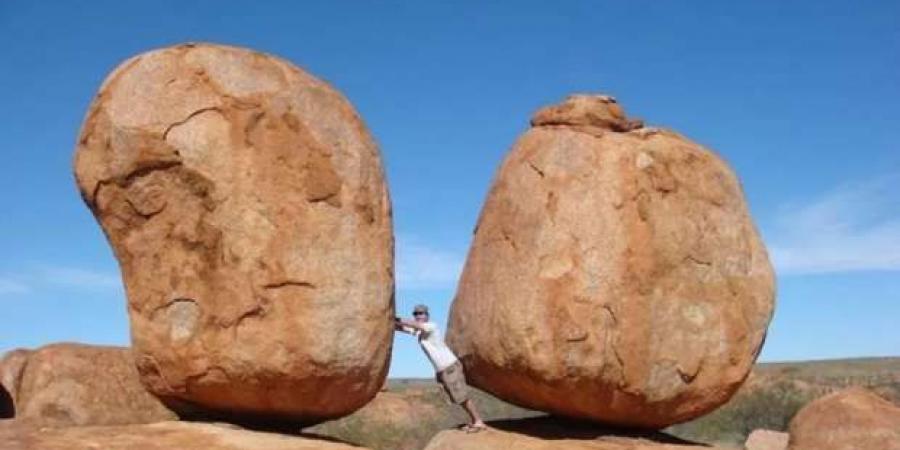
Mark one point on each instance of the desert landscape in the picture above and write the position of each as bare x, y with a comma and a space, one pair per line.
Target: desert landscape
616, 290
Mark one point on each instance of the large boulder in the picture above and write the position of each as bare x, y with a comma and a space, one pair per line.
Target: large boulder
851, 419
156, 436
615, 274
76, 384
542, 434
246, 203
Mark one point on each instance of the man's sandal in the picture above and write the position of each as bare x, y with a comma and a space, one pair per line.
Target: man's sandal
472, 429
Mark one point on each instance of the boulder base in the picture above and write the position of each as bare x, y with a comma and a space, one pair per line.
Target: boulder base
246, 204
615, 274
852, 419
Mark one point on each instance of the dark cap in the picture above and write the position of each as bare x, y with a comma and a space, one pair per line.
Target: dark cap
420, 309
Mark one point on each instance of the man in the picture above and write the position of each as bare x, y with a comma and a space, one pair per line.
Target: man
448, 369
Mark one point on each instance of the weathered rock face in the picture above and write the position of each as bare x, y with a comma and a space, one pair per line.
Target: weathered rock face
766, 440
246, 204
157, 436
75, 384
537, 434
852, 419
614, 276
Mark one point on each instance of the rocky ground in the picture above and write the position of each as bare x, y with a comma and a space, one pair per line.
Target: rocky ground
412, 411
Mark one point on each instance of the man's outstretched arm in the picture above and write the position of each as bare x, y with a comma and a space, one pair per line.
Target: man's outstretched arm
398, 326
400, 322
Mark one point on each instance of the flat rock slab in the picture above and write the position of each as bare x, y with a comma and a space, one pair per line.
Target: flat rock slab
544, 434
157, 436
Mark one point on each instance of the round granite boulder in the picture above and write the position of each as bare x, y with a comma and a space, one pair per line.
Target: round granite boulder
615, 274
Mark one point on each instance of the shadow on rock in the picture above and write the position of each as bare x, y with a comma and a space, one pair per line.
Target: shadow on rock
7, 408
557, 428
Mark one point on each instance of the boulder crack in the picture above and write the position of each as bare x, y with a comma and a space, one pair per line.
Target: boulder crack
287, 283
188, 118
536, 169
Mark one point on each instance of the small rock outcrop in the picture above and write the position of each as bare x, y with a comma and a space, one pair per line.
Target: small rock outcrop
615, 274
851, 419
76, 384
766, 440
156, 436
246, 204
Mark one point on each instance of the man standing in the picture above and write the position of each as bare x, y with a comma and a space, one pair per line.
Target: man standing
448, 369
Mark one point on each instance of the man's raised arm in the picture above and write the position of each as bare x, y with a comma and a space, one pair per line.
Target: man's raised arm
407, 325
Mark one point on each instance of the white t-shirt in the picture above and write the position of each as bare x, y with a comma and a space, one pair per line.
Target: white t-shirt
433, 344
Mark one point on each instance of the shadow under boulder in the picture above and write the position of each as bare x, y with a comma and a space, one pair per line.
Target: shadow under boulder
7, 408
551, 433
556, 428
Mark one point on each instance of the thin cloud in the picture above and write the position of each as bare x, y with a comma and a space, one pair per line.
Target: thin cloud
44, 277
855, 227
425, 266
80, 278
9, 286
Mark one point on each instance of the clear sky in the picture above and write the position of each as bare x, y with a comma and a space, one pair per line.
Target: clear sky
801, 98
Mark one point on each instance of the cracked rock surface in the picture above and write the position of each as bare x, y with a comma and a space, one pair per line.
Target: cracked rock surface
246, 203
615, 274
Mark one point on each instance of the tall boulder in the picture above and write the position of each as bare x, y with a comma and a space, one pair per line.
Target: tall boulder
75, 384
615, 273
246, 203
851, 419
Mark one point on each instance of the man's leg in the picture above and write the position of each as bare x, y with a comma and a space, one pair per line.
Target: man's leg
454, 382
469, 406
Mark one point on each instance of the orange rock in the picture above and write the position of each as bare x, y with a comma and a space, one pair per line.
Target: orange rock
587, 111
613, 276
852, 419
157, 436
246, 204
76, 384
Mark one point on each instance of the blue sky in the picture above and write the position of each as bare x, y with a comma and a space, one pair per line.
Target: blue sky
802, 99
